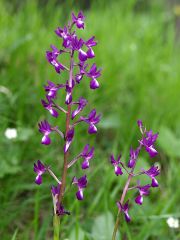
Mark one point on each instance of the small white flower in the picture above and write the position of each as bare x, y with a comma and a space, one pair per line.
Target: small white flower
173, 222
11, 133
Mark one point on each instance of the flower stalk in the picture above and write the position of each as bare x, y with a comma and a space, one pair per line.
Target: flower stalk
71, 45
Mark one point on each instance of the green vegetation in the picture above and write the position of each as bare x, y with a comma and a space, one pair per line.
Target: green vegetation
141, 79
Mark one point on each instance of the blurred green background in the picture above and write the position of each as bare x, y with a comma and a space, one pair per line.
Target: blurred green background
139, 53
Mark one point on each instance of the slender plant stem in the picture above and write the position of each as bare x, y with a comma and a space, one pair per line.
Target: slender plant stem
73, 161
56, 225
56, 219
68, 116
53, 175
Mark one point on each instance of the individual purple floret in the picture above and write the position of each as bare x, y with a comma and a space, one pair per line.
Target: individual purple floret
125, 209
45, 129
49, 106
152, 173
133, 157
60, 211
69, 138
64, 34
143, 191
82, 72
115, 163
81, 184
58, 208
81, 104
79, 20
87, 154
94, 74
52, 59
39, 168
51, 89
90, 43
92, 120
148, 142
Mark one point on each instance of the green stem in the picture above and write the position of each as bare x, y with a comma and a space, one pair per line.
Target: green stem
56, 225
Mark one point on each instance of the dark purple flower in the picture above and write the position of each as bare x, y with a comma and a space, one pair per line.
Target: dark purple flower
90, 42
133, 157
49, 106
58, 208
148, 142
56, 190
152, 173
125, 210
69, 92
45, 129
39, 168
69, 138
82, 71
143, 190
92, 120
60, 211
81, 184
52, 59
115, 163
81, 104
93, 74
64, 34
79, 20
90, 53
52, 89
77, 45
87, 155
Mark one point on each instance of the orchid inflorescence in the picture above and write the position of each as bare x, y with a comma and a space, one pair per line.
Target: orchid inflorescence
146, 142
71, 45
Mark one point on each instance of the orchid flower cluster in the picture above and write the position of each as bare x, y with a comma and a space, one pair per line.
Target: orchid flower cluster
146, 142
80, 49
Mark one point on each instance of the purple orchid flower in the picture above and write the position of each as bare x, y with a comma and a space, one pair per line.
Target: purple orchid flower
64, 34
77, 45
69, 138
60, 211
92, 120
90, 43
69, 93
143, 191
81, 184
94, 74
87, 154
52, 59
79, 20
115, 163
125, 209
133, 157
45, 129
52, 89
152, 173
40, 169
49, 106
81, 104
82, 68
148, 142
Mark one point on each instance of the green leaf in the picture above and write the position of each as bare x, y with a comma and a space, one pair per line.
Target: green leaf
103, 227
77, 235
14, 235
